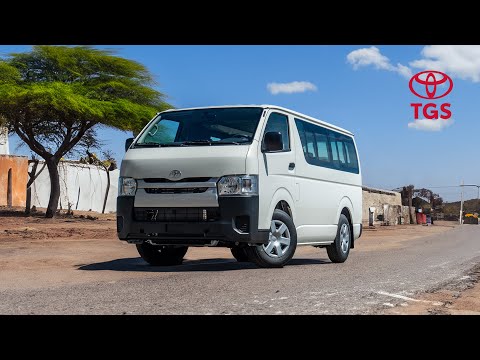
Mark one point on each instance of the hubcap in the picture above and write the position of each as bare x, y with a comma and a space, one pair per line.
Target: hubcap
279, 239
344, 238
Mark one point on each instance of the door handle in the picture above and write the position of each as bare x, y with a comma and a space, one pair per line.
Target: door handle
291, 166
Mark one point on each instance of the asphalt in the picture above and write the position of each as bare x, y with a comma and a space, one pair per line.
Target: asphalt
310, 284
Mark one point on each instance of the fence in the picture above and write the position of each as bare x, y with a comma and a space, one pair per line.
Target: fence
82, 186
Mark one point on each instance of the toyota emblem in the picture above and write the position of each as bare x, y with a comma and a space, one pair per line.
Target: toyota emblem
175, 174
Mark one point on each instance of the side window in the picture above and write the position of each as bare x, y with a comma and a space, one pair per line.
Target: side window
343, 152
337, 152
352, 161
301, 132
322, 148
327, 148
279, 123
311, 153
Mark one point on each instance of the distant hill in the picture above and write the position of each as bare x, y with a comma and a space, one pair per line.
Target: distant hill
470, 206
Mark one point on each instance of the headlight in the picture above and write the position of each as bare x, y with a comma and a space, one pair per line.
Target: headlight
126, 186
238, 185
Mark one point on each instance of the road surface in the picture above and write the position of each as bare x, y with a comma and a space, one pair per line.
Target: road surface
370, 280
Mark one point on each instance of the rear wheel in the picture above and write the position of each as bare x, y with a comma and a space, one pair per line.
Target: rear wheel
281, 245
159, 255
239, 254
339, 250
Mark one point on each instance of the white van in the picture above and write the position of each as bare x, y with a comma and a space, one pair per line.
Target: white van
258, 179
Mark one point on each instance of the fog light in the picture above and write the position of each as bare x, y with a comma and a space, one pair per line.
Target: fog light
242, 223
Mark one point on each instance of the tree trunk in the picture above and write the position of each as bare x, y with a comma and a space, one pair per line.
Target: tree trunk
33, 176
106, 192
52, 166
28, 202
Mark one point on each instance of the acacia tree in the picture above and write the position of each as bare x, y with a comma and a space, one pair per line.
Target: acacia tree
54, 96
430, 196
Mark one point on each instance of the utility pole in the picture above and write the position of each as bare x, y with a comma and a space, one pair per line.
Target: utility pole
461, 204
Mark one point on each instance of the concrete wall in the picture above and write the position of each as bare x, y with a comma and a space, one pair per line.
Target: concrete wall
81, 185
387, 204
17, 165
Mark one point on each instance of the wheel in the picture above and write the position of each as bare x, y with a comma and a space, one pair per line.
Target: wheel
239, 254
281, 246
158, 255
339, 250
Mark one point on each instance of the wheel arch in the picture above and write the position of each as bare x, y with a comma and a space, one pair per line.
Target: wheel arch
282, 200
346, 208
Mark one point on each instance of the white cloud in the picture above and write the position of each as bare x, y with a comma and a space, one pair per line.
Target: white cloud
372, 57
291, 87
430, 125
462, 61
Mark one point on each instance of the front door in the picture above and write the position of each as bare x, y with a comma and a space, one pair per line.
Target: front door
276, 169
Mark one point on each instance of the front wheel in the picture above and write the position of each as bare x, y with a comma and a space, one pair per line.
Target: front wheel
281, 245
338, 251
158, 255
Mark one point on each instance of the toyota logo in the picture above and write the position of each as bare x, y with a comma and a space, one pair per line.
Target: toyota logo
428, 81
175, 174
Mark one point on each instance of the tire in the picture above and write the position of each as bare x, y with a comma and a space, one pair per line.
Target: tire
239, 254
158, 255
267, 256
339, 250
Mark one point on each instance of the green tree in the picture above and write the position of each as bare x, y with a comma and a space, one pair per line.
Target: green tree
54, 97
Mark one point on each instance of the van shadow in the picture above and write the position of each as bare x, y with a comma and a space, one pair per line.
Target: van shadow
139, 265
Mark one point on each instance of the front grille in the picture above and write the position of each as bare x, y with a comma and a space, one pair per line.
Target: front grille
176, 190
165, 180
177, 214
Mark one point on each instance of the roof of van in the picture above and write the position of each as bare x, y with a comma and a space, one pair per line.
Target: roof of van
267, 106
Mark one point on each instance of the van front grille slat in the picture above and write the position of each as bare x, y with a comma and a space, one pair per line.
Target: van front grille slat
165, 180
176, 190
170, 214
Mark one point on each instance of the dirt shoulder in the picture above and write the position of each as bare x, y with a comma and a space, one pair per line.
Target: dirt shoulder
460, 297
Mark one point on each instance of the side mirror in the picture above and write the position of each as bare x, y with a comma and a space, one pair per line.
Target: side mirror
128, 142
272, 141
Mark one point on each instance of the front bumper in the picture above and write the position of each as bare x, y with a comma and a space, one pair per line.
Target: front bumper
194, 233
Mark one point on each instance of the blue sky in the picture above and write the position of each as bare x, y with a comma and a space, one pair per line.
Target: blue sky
365, 92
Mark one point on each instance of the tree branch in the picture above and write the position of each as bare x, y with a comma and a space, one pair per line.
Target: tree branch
64, 144
78, 136
34, 145
35, 176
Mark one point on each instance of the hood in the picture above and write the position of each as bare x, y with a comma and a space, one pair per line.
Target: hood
191, 161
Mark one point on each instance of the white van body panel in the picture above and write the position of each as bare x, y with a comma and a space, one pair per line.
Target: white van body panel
191, 161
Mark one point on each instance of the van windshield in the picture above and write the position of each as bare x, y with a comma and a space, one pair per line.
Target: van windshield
214, 126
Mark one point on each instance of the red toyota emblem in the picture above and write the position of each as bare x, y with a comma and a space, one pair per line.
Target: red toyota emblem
430, 83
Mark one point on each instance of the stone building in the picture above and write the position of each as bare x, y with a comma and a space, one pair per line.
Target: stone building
383, 207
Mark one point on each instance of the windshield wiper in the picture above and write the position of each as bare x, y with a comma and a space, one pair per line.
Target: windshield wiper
197, 142
228, 143
148, 144
154, 144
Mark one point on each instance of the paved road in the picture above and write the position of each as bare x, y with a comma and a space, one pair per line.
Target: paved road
310, 285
